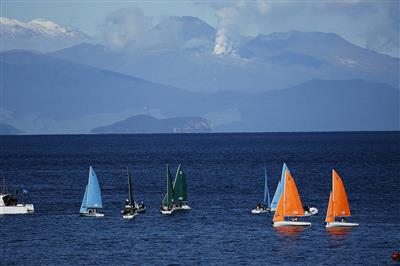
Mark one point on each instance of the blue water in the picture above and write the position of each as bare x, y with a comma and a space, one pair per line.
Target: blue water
225, 180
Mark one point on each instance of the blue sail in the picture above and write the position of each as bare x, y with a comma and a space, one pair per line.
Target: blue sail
279, 188
266, 191
83, 205
93, 199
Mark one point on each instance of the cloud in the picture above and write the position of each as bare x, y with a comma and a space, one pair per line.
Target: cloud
125, 27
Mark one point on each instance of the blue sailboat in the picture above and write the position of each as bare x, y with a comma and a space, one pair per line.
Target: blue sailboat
92, 203
279, 188
264, 206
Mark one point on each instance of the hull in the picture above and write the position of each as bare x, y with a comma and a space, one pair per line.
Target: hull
290, 223
17, 209
129, 216
340, 224
183, 207
95, 214
258, 211
167, 211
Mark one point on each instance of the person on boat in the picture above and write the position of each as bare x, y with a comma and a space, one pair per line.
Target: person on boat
141, 206
343, 220
306, 208
294, 219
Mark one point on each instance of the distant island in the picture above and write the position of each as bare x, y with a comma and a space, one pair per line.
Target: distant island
150, 124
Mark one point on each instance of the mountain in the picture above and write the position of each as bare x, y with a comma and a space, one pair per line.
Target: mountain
149, 124
6, 129
38, 34
298, 49
47, 94
43, 94
179, 52
325, 105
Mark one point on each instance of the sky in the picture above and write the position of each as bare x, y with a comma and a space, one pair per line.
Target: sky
370, 24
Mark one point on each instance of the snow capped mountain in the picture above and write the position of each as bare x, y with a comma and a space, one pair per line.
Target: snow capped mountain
13, 28
38, 34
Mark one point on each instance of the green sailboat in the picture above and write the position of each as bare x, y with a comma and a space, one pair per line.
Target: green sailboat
180, 190
167, 205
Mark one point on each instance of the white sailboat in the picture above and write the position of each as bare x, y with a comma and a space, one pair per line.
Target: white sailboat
129, 210
289, 205
338, 206
92, 203
265, 206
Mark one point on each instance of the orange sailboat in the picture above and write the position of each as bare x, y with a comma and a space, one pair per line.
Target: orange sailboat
338, 204
289, 205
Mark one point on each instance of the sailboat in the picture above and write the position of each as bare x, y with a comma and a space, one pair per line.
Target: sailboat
169, 199
289, 205
180, 190
129, 210
92, 203
279, 189
308, 211
265, 206
338, 204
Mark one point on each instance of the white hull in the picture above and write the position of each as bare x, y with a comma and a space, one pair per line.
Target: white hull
166, 211
93, 214
313, 211
258, 211
17, 209
290, 223
340, 224
184, 207
129, 216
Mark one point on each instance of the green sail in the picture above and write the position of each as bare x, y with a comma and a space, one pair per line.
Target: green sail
180, 189
169, 197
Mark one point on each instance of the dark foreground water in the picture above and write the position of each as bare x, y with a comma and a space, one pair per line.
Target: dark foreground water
225, 180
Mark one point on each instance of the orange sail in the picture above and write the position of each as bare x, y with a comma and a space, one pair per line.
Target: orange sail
289, 203
279, 215
292, 206
329, 213
340, 202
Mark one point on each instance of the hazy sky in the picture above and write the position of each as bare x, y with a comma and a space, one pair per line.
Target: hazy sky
371, 24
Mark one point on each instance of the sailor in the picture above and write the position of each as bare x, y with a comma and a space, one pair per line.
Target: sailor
142, 205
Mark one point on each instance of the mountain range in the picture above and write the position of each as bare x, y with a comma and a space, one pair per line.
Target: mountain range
38, 34
292, 81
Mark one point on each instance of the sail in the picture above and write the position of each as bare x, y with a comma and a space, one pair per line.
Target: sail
340, 202
83, 205
93, 199
180, 190
169, 197
279, 212
279, 188
330, 217
292, 203
130, 194
266, 191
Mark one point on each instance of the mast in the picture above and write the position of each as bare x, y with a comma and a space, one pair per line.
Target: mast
284, 196
131, 201
266, 191
333, 195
